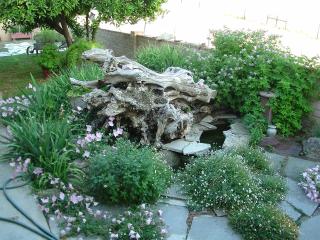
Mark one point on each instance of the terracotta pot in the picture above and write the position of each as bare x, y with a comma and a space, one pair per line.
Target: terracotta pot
46, 73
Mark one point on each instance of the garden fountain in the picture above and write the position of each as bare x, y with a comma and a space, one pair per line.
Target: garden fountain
169, 110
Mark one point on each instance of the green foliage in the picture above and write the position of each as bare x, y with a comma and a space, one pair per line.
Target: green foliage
50, 58
50, 99
231, 180
128, 173
162, 57
86, 72
61, 14
263, 223
47, 36
138, 218
240, 66
45, 141
73, 54
255, 159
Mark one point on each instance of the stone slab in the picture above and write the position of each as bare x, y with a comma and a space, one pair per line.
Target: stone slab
196, 148
297, 198
175, 192
176, 146
174, 202
207, 126
208, 227
309, 229
276, 161
289, 210
296, 166
175, 218
194, 134
207, 119
24, 199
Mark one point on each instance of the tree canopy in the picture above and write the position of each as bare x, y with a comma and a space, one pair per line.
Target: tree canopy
61, 15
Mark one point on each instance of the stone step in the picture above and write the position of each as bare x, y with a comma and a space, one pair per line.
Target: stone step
175, 218
206, 227
297, 198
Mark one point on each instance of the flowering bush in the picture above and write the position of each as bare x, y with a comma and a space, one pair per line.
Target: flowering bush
138, 223
127, 173
79, 214
225, 181
263, 222
12, 106
311, 183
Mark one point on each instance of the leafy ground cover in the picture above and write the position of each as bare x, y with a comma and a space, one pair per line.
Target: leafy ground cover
15, 73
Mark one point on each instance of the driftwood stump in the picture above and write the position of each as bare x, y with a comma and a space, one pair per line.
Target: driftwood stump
160, 107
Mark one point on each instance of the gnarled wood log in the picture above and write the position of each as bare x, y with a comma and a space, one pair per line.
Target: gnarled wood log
162, 106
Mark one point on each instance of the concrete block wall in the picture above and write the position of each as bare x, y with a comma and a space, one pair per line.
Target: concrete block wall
128, 43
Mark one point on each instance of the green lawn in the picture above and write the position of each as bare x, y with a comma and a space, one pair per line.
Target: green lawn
15, 73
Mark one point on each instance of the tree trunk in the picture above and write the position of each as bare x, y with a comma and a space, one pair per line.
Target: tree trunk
66, 32
87, 27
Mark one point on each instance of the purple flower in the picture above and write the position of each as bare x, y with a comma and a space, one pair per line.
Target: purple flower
38, 171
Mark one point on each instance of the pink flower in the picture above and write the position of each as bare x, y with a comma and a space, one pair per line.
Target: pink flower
148, 221
98, 136
86, 154
54, 198
111, 124
38, 171
44, 200
89, 128
61, 196
76, 199
117, 132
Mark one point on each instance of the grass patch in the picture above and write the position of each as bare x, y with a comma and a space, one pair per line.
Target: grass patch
15, 73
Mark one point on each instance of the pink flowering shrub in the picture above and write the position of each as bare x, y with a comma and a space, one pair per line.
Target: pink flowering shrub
139, 223
12, 106
78, 213
311, 183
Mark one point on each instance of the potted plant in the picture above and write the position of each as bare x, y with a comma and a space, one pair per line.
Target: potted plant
50, 59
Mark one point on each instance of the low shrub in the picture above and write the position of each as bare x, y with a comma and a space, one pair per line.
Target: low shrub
51, 58
139, 223
45, 142
128, 173
74, 52
225, 181
263, 223
47, 36
255, 159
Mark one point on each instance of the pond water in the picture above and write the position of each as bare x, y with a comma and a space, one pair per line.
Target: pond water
215, 137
